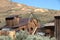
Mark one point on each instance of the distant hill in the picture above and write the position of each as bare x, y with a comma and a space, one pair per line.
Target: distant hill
11, 8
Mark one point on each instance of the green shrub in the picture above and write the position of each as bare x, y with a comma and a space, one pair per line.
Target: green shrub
22, 35
34, 37
5, 38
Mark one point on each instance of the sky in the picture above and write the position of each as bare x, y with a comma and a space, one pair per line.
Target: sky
49, 4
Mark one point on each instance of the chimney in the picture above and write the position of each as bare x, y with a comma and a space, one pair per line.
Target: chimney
9, 21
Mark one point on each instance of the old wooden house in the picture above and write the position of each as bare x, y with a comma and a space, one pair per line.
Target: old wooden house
17, 23
42, 29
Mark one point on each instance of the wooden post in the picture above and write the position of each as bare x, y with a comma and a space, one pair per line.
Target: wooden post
57, 27
34, 31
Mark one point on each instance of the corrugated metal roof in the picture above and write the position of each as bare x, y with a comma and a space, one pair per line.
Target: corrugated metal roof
49, 24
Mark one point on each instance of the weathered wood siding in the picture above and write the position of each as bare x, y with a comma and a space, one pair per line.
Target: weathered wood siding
57, 27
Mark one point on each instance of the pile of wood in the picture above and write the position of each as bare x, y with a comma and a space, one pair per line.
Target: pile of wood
8, 33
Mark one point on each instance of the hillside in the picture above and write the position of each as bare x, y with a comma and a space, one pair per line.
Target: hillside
11, 8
